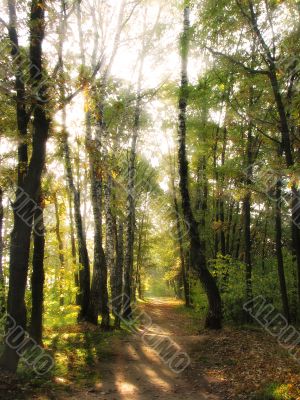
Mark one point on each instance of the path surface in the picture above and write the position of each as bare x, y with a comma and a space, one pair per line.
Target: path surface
231, 364
135, 371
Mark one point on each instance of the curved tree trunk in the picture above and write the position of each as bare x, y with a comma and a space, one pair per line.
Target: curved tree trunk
197, 256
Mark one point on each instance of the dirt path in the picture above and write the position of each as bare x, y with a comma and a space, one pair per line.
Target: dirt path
135, 371
230, 364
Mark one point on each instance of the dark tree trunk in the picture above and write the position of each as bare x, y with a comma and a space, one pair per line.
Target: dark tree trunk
198, 259
264, 244
21, 113
2, 283
20, 237
38, 276
247, 204
285, 134
221, 200
230, 218
118, 276
280, 263
82, 277
130, 223
110, 241
130, 228
61, 254
99, 291
73, 249
184, 277
84, 272
248, 246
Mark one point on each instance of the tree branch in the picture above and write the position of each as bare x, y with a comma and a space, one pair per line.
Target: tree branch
237, 63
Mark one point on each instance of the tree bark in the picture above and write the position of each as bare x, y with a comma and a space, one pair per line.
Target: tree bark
2, 282
117, 288
61, 254
285, 133
198, 259
99, 292
84, 263
130, 224
20, 237
82, 278
110, 234
38, 276
185, 282
280, 263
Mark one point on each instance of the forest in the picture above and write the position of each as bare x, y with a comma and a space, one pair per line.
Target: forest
150, 199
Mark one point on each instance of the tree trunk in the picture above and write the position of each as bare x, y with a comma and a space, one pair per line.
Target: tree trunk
198, 259
285, 134
130, 228
139, 257
61, 255
2, 282
280, 263
20, 237
184, 277
73, 248
99, 292
221, 200
110, 234
130, 224
247, 204
82, 277
38, 276
118, 276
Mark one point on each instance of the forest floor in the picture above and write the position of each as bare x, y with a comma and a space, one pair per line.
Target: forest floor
235, 363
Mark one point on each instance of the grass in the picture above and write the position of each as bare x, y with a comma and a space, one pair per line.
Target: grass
76, 349
275, 391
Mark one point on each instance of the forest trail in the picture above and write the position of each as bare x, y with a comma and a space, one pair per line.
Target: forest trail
135, 371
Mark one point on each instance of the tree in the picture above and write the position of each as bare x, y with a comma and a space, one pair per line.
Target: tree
29, 184
198, 259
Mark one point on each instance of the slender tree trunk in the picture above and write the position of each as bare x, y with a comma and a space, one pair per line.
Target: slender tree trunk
2, 282
280, 263
110, 234
118, 278
221, 200
247, 205
264, 244
130, 225
198, 259
38, 276
82, 277
139, 257
73, 248
61, 251
230, 218
285, 134
234, 229
186, 288
99, 292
